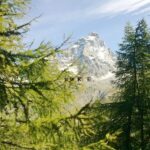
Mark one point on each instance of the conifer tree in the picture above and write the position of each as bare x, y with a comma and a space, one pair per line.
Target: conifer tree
132, 79
32, 88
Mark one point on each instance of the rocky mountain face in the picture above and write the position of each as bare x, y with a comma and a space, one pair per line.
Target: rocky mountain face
90, 56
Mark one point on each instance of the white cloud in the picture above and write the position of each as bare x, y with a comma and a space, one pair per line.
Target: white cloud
139, 5
96, 8
145, 10
115, 7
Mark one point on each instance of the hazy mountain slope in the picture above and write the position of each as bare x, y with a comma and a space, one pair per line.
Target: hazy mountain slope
90, 57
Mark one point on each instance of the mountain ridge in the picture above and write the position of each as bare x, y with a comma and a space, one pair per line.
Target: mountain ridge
90, 56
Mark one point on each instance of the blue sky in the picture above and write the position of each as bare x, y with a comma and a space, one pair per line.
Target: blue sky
80, 17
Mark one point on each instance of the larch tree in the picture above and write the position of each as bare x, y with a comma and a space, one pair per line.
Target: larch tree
33, 92
32, 88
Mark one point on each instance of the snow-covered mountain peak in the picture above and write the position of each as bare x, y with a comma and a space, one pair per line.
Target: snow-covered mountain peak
91, 39
94, 34
92, 54
90, 57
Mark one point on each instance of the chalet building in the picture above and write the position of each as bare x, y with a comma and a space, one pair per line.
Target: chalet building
78, 79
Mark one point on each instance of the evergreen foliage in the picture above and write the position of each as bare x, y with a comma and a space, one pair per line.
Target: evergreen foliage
32, 88
132, 79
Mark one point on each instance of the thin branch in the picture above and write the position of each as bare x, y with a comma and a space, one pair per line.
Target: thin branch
15, 31
16, 145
